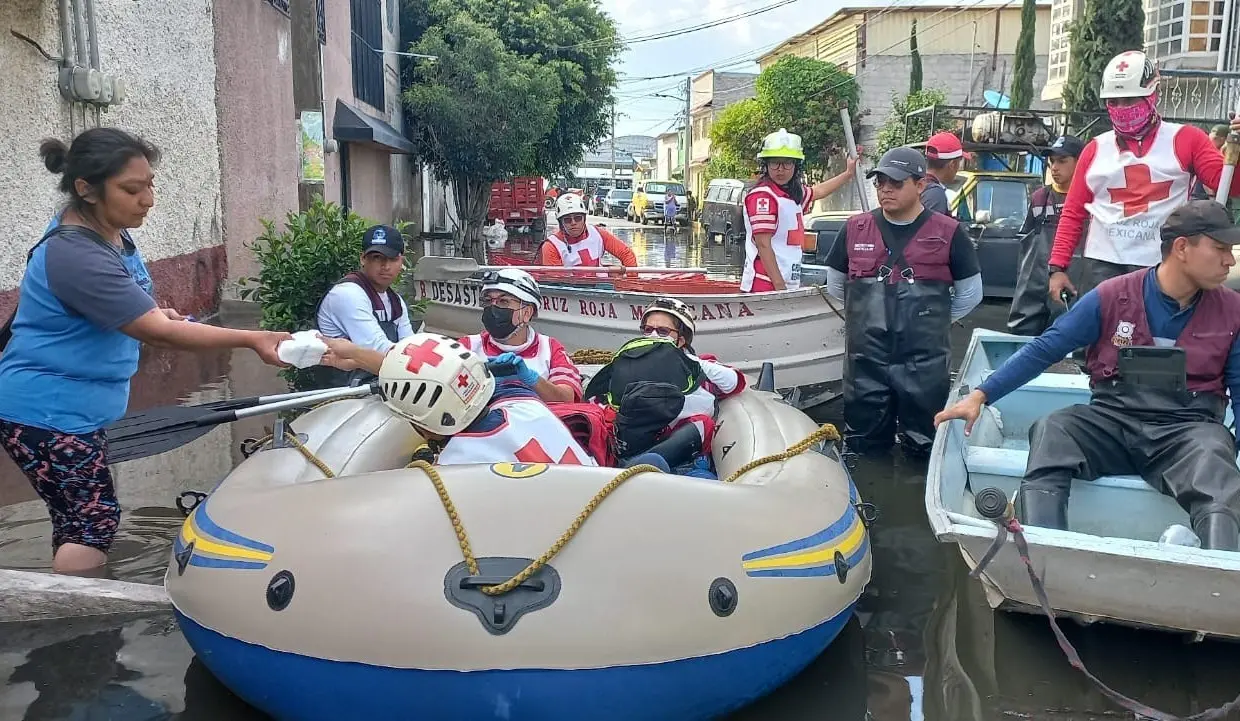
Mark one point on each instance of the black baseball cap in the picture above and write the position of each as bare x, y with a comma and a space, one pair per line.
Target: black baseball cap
1066, 145
383, 239
1201, 217
900, 164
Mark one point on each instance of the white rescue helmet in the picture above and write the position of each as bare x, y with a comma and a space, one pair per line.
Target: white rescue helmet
514, 282
436, 383
1130, 74
569, 204
677, 309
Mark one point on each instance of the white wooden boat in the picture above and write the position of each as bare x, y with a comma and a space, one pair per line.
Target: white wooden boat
1109, 566
801, 332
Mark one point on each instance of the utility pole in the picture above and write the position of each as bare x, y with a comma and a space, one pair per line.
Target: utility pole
613, 143
688, 127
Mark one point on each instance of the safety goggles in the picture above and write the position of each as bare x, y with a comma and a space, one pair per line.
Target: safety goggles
658, 330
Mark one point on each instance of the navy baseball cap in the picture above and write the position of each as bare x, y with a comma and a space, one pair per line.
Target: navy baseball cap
900, 164
1066, 146
383, 239
1201, 217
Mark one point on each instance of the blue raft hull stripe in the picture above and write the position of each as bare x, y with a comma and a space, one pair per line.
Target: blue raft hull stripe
838, 528
290, 686
813, 571
210, 528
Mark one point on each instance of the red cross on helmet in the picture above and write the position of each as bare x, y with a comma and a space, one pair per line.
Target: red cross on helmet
1129, 75
436, 383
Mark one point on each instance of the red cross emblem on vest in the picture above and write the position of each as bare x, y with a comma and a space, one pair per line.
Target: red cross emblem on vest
422, 354
1139, 190
533, 452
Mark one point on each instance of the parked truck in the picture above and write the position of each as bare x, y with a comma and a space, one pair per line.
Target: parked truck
519, 203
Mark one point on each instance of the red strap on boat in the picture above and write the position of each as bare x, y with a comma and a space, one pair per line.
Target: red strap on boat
1013, 527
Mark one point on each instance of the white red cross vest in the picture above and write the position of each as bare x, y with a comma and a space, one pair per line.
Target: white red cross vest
530, 433
1133, 197
586, 252
786, 242
536, 354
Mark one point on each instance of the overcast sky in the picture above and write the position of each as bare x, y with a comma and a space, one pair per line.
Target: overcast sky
737, 43
734, 44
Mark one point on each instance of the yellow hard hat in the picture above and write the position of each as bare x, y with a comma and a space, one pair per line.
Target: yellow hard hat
782, 144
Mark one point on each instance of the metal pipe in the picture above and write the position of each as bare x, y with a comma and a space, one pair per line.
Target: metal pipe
79, 33
92, 25
851, 145
66, 40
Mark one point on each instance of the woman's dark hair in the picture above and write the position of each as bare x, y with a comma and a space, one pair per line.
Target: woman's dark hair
94, 156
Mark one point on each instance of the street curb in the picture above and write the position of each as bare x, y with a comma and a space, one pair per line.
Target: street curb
33, 596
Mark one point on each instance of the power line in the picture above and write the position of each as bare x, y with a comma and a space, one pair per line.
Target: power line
685, 30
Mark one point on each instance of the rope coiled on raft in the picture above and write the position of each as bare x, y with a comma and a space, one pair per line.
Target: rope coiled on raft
826, 432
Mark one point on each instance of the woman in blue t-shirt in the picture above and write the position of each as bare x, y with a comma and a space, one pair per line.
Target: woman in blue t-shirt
82, 314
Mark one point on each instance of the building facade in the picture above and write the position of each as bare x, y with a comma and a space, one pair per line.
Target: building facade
235, 93
709, 94
965, 51
667, 157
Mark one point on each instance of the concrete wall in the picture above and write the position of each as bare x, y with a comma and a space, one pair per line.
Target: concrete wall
257, 124
961, 76
165, 53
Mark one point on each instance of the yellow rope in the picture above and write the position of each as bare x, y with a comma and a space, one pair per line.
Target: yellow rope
592, 356
826, 432
463, 538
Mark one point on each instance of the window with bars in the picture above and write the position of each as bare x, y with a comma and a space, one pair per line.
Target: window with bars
367, 25
281, 5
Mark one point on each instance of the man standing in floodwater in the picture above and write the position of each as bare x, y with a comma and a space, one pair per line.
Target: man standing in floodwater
905, 273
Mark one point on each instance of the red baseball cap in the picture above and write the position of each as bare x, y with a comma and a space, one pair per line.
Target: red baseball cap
944, 146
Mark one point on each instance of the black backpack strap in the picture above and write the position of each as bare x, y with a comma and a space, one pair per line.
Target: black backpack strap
6, 332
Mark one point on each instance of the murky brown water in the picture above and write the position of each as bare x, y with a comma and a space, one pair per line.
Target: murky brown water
922, 646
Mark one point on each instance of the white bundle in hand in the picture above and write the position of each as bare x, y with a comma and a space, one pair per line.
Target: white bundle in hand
304, 350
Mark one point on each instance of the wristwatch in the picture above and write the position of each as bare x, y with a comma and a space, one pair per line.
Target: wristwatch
1057, 269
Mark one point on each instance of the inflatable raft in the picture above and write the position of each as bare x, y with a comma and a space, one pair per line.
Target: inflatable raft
351, 597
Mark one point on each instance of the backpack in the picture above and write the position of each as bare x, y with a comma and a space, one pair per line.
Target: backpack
592, 426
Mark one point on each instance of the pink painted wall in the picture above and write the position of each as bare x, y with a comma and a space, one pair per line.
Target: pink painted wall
259, 146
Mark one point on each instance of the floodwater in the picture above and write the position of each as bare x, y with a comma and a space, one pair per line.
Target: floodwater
923, 644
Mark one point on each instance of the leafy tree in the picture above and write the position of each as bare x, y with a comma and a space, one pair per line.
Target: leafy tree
1026, 62
800, 94
518, 88
892, 134
914, 81
1105, 29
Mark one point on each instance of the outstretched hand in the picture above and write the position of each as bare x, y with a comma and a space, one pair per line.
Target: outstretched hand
968, 409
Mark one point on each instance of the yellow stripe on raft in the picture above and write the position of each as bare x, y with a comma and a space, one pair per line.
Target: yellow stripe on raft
190, 533
847, 544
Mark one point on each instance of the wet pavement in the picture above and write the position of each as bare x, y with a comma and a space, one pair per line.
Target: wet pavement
922, 646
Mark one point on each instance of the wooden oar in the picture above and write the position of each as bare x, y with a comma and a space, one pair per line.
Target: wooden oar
161, 429
439, 267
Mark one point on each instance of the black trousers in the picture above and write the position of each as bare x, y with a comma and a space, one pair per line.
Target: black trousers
1193, 462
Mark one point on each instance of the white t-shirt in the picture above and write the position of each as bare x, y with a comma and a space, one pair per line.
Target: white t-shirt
346, 313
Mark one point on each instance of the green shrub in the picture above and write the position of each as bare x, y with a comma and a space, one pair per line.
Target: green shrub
301, 262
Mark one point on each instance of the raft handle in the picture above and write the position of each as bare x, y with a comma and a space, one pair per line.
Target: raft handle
474, 582
766, 377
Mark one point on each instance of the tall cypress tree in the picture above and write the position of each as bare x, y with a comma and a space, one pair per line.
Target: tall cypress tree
1026, 61
1105, 29
914, 81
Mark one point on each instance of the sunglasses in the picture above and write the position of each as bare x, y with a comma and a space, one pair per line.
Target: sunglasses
881, 180
657, 330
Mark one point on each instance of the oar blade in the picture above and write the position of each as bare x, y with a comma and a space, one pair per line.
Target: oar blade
141, 445
155, 420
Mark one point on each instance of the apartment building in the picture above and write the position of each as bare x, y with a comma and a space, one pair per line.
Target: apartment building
709, 94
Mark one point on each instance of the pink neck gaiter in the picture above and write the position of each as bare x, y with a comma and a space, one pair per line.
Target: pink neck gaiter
1134, 121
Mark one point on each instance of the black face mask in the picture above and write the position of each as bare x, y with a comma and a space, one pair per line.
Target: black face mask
498, 321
